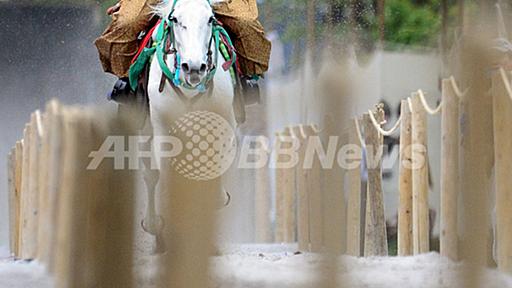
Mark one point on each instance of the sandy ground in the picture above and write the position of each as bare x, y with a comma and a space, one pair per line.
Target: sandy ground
278, 266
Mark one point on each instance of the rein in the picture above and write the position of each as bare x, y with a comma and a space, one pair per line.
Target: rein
165, 35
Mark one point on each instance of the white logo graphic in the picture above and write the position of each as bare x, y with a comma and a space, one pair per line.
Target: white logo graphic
209, 145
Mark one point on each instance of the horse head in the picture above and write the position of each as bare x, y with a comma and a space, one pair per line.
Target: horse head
191, 23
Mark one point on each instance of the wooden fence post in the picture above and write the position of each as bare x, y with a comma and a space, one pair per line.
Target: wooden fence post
44, 209
189, 237
420, 208
262, 200
52, 145
280, 187
72, 209
405, 246
95, 213
11, 174
354, 199
285, 192
316, 224
290, 196
24, 232
477, 156
113, 255
375, 243
502, 97
30, 196
18, 177
333, 194
188, 210
33, 184
449, 239
302, 193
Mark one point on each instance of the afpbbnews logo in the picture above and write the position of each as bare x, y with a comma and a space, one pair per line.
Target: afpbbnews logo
203, 146
256, 152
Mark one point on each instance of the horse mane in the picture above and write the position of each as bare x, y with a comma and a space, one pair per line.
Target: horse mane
163, 9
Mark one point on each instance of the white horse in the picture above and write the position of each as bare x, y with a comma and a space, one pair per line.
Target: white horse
186, 76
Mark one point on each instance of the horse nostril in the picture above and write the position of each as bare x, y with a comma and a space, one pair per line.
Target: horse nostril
185, 67
203, 68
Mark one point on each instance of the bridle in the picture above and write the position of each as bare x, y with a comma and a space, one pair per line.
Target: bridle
165, 42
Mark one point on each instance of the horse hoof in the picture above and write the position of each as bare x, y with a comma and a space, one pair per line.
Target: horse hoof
153, 227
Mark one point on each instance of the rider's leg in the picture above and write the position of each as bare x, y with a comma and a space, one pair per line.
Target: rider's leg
118, 44
253, 53
253, 49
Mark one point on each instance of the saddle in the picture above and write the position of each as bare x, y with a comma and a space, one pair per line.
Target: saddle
139, 77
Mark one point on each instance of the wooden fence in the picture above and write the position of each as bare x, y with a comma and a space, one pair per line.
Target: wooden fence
299, 191
80, 222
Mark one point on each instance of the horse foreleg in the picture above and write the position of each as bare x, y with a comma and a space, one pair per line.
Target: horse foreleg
152, 223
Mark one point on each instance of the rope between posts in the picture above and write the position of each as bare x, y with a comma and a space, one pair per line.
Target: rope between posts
456, 88
427, 107
317, 130
379, 128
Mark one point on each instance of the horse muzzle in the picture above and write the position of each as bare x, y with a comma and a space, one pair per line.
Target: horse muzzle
194, 74
193, 79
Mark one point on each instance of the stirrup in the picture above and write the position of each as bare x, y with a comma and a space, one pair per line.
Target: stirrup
251, 90
121, 93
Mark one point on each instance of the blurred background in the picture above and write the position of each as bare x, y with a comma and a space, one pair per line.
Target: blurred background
394, 47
